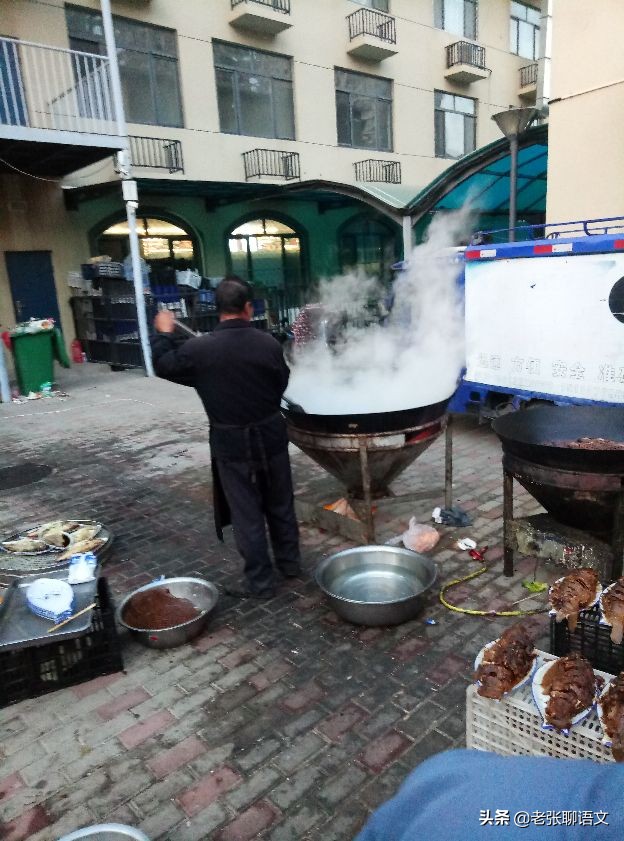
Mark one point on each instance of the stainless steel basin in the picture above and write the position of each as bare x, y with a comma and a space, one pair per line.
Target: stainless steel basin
376, 585
202, 593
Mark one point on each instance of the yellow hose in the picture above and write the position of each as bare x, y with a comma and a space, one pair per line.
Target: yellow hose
471, 612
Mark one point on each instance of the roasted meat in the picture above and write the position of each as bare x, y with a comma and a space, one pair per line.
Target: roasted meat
613, 609
574, 592
612, 703
505, 663
570, 685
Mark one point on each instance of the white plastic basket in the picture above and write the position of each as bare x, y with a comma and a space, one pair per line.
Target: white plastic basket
513, 727
106, 832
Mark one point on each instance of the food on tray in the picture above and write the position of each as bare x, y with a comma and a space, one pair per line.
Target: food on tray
612, 603
54, 535
82, 546
586, 443
576, 591
612, 716
158, 608
84, 533
505, 663
570, 686
24, 544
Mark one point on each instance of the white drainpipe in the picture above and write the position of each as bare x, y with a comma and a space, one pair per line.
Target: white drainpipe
128, 184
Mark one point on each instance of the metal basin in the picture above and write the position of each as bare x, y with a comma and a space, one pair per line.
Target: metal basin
204, 596
376, 585
106, 832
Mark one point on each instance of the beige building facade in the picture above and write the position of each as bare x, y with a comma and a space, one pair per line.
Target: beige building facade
586, 112
311, 122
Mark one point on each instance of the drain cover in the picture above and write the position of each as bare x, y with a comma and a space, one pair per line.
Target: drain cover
19, 475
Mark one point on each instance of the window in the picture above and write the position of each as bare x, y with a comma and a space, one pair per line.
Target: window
364, 111
148, 64
524, 27
254, 92
455, 125
456, 16
267, 253
165, 247
368, 245
380, 5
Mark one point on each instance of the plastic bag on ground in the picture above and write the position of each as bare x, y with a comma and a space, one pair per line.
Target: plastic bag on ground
420, 538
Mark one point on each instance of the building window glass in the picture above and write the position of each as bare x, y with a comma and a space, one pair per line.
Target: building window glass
148, 64
363, 111
368, 245
254, 92
524, 28
267, 253
380, 5
455, 125
164, 246
456, 16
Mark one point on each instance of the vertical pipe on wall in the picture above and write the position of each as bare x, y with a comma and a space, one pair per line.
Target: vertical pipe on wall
129, 185
407, 237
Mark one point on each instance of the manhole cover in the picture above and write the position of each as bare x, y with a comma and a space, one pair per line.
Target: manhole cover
18, 475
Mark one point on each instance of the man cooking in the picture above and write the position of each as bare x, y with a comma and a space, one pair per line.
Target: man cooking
240, 375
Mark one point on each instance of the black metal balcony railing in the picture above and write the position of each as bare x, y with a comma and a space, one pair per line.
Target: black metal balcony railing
528, 75
276, 5
388, 172
463, 52
156, 153
271, 162
370, 22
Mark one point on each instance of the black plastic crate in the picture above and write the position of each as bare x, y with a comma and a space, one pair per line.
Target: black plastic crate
590, 638
31, 672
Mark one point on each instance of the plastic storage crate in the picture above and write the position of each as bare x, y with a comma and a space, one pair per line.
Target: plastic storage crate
90, 271
590, 638
513, 727
31, 672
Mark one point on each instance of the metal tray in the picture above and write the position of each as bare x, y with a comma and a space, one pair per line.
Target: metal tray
20, 628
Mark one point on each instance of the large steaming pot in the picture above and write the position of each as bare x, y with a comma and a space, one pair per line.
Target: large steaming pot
580, 488
376, 446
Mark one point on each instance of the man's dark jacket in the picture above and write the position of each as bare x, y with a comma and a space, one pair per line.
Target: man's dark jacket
240, 376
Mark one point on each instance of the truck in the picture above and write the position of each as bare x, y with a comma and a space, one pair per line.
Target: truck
544, 319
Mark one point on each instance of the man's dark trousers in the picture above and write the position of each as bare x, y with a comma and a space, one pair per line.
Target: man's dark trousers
255, 492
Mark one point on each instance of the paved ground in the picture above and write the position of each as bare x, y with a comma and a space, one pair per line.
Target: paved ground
281, 721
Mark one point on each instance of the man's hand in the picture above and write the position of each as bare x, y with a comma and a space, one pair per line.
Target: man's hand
164, 322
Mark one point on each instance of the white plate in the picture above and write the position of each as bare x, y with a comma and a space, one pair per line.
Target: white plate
521, 682
605, 739
541, 699
553, 612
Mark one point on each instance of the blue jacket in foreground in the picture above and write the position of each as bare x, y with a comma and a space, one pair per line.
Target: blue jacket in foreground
473, 795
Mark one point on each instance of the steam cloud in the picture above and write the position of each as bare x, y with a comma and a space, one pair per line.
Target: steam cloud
413, 360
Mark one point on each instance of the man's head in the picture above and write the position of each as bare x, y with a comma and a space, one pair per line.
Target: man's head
233, 298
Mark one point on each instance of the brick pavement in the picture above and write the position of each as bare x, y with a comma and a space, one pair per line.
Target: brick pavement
281, 721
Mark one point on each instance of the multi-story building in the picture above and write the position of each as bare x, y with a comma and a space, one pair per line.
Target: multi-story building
278, 139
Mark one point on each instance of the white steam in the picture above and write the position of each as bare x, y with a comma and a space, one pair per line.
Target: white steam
413, 360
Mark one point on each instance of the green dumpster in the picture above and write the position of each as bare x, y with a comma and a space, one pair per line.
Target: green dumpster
34, 359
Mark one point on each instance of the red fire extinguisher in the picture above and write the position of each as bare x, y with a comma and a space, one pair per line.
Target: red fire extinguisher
76, 351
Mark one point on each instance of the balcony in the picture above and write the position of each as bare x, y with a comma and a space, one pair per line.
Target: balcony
465, 63
371, 170
271, 163
263, 17
528, 82
372, 35
56, 112
156, 153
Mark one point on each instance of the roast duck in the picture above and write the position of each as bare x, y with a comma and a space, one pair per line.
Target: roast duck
570, 685
505, 663
612, 718
574, 592
612, 601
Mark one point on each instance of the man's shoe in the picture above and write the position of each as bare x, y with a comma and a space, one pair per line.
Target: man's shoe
246, 593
